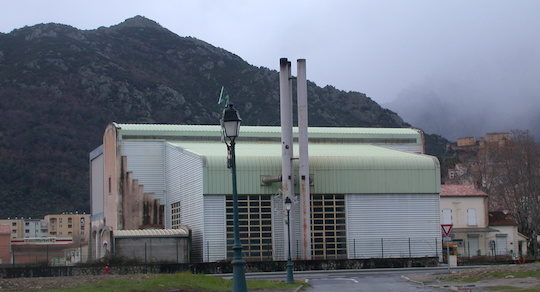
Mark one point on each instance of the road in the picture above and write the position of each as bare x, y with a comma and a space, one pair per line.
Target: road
357, 280
388, 281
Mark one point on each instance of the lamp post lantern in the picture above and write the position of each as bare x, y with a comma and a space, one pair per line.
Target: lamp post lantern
290, 265
230, 125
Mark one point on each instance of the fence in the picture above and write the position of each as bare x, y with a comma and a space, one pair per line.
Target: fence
355, 248
408, 247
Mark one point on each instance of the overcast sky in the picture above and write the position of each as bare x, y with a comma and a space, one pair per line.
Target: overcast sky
478, 61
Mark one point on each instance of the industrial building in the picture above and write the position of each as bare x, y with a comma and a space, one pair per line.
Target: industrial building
373, 191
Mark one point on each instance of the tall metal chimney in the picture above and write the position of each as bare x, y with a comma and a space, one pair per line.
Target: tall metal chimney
286, 114
303, 162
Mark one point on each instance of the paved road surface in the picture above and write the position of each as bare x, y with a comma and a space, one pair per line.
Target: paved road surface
368, 282
357, 280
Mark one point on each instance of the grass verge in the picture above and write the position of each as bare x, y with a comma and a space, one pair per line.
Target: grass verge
498, 275
184, 281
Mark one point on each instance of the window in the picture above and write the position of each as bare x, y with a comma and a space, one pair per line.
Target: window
501, 241
255, 223
329, 237
471, 217
13, 223
446, 216
27, 231
26, 223
175, 215
14, 231
70, 220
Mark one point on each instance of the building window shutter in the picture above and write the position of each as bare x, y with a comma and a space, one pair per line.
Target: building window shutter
471, 217
446, 215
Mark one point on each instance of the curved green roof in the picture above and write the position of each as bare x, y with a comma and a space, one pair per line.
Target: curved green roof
169, 132
337, 168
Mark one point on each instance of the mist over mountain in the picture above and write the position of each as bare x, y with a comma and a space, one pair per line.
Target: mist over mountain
485, 95
60, 87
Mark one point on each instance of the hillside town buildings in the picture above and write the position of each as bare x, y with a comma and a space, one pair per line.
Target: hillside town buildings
473, 156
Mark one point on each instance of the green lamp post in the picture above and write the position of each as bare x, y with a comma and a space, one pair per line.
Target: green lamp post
230, 125
290, 265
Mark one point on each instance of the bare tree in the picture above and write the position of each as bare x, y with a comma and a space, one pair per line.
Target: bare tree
510, 173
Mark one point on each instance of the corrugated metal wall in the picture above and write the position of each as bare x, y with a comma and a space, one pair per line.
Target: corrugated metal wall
278, 228
296, 243
214, 239
403, 173
184, 184
383, 225
145, 160
97, 184
279, 214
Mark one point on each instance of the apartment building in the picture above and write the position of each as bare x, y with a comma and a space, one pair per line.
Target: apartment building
16, 225
35, 228
71, 225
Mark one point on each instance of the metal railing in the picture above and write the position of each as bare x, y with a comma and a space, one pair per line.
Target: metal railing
354, 248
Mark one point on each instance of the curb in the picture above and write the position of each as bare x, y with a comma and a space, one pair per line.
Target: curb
299, 288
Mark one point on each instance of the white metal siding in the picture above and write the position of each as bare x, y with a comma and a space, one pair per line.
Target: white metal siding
296, 244
184, 184
97, 184
380, 225
146, 161
215, 239
278, 227
279, 215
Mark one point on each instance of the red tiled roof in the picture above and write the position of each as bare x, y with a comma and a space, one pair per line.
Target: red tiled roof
500, 218
461, 191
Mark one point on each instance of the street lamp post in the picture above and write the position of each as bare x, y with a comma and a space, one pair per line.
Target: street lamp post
230, 125
290, 265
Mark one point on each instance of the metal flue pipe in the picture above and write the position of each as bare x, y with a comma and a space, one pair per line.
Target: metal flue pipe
303, 162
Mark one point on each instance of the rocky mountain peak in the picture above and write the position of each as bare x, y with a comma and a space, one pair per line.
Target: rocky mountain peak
140, 22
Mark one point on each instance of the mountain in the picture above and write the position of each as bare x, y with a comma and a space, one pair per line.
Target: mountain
60, 87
